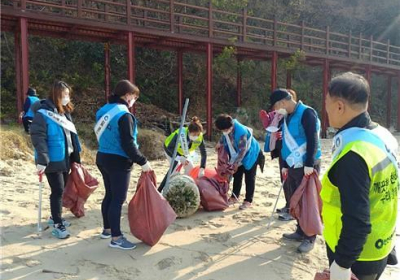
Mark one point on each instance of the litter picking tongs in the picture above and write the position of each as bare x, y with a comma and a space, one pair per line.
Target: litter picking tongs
39, 224
276, 203
171, 166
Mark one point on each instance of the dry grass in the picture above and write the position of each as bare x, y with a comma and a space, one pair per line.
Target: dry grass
15, 143
151, 144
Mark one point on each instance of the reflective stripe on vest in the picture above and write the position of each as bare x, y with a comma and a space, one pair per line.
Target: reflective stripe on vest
383, 193
193, 147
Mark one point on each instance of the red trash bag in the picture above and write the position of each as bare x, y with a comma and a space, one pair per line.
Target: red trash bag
213, 194
325, 275
80, 185
208, 172
149, 213
306, 205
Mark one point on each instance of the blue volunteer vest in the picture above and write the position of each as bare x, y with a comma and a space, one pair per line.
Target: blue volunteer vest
55, 140
32, 99
296, 129
252, 154
110, 140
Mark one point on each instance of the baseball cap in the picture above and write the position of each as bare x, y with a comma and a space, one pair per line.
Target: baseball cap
278, 95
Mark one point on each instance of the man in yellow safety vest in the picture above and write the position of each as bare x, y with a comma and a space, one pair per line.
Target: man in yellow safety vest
360, 188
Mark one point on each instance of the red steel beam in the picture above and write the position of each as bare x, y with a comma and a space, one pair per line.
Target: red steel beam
131, 62
209, 89
239, 84
107, 71
288, 79
325, 83
389, 102
274, 70
23, 23
180, 80
17, 50
131, 58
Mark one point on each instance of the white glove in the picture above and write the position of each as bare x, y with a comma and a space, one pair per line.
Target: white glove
201, 173
183, 160
284, 173
40, 168
339, 273
308, 170
146, 167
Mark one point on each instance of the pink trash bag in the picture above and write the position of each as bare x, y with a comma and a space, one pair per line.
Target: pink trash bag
306, 205
149, 213
80, 185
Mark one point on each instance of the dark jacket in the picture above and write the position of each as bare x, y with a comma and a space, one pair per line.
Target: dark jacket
39, 137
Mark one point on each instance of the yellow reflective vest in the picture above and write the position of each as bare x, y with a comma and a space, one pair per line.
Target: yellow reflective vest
382, 169
181, 152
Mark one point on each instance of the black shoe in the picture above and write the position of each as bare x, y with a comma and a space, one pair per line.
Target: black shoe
306, 246
282, 210
285, 217
293, 236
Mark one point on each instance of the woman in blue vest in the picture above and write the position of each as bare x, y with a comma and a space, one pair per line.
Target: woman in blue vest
56, 144
116, 131
244, 153
27, 114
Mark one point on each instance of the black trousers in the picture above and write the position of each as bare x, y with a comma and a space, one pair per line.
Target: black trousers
57, 181
249, 178
116, 183
363, 270
27, 123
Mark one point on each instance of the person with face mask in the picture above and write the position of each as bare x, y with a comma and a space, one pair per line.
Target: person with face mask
56, 144
116, 132
301, 151
360, 188
192, 139
273, 144
244, 154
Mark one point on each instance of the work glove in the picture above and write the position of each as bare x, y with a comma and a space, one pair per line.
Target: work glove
284, 173
339, 273
146, 167
183, 160
40, 169
201, 173
308, 170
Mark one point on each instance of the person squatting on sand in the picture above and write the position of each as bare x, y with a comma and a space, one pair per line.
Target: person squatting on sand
192, 139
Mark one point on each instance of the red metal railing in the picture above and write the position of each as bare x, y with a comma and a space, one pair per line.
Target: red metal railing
178, 17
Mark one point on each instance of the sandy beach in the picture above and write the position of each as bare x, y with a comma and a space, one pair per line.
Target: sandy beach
233, 244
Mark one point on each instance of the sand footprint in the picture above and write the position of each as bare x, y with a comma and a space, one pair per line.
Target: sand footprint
168, 262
